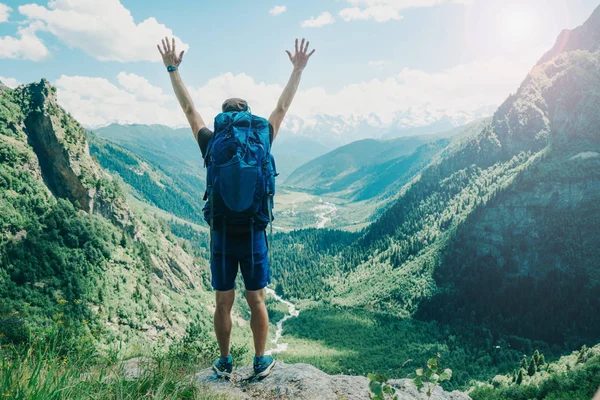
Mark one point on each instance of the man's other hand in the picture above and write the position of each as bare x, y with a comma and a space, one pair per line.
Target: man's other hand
168, 53
300, 57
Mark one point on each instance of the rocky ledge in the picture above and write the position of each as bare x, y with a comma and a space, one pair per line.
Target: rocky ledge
305, 382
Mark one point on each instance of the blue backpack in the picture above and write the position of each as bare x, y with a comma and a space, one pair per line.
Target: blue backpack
240, 177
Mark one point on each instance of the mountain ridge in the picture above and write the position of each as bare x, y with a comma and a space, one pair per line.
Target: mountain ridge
550, 119
359, 170
71, 244
584, 37
413, 252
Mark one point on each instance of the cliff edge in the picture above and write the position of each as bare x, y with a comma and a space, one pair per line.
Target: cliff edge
305, 382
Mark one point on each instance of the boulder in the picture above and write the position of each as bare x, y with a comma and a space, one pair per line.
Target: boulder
305, 382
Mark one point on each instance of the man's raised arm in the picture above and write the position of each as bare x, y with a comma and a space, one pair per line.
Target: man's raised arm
299, 60
172, 62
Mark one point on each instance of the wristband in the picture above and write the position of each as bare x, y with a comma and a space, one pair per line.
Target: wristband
171, 68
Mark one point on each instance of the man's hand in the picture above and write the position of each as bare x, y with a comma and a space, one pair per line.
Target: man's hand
168, 53
170, 58
300, 58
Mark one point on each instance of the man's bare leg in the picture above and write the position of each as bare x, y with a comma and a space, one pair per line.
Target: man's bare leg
259, 319
223, 320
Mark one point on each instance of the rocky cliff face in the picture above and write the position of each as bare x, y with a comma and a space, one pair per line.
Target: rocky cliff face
585, 37
554, 103
504, 219
305, 382
535, 238
62, 151
133, 275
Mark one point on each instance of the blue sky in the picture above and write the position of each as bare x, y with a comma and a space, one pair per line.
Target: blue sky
368, 47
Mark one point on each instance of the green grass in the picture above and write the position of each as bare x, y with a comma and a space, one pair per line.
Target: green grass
275, 309
58, 366
355, 341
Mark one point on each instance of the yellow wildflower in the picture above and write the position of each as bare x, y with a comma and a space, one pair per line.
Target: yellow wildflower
62, 301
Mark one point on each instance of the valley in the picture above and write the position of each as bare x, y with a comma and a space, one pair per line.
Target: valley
477, 245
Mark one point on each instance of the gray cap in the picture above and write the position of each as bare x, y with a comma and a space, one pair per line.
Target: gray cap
234, 105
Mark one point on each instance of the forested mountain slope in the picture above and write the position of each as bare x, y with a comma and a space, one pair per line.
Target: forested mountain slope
372, 168
509, 216
585, 37
176, 151
157, 141
501, 227
71, 247
169, 188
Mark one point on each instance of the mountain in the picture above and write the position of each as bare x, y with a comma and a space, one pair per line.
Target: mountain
292, 151
155, 141
171, 188
372, 168
500, 230
335, 131
176, 151
343, 169
74, 254
487, 255
585, 37
426, 120
513, 215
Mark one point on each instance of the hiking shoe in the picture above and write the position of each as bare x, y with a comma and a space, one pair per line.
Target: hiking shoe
223, 367
263, 366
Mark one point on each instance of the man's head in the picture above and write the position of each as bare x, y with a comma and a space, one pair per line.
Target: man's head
234, 105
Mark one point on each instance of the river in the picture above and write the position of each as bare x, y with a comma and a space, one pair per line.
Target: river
292, 312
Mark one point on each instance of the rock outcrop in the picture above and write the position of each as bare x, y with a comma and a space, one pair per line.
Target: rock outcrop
45, 159
305, 382
60, 145
584, 37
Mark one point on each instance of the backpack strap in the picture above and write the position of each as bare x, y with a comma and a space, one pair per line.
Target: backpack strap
249, 128
224, 255
252, 247
270, 226
212, 218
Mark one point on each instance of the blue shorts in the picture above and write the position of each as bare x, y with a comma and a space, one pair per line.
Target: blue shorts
238, 251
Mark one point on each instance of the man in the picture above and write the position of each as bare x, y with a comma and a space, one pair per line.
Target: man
241, 248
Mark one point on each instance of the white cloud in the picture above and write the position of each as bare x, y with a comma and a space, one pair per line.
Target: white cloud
385, 10
26, 45
324, 19
378, 64
261, 97
10, 82
277, 10
103, 29
378, 13
97, 101
4, 12
141, 88
463, 89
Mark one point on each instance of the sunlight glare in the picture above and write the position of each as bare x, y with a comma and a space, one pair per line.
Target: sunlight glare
518, 25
